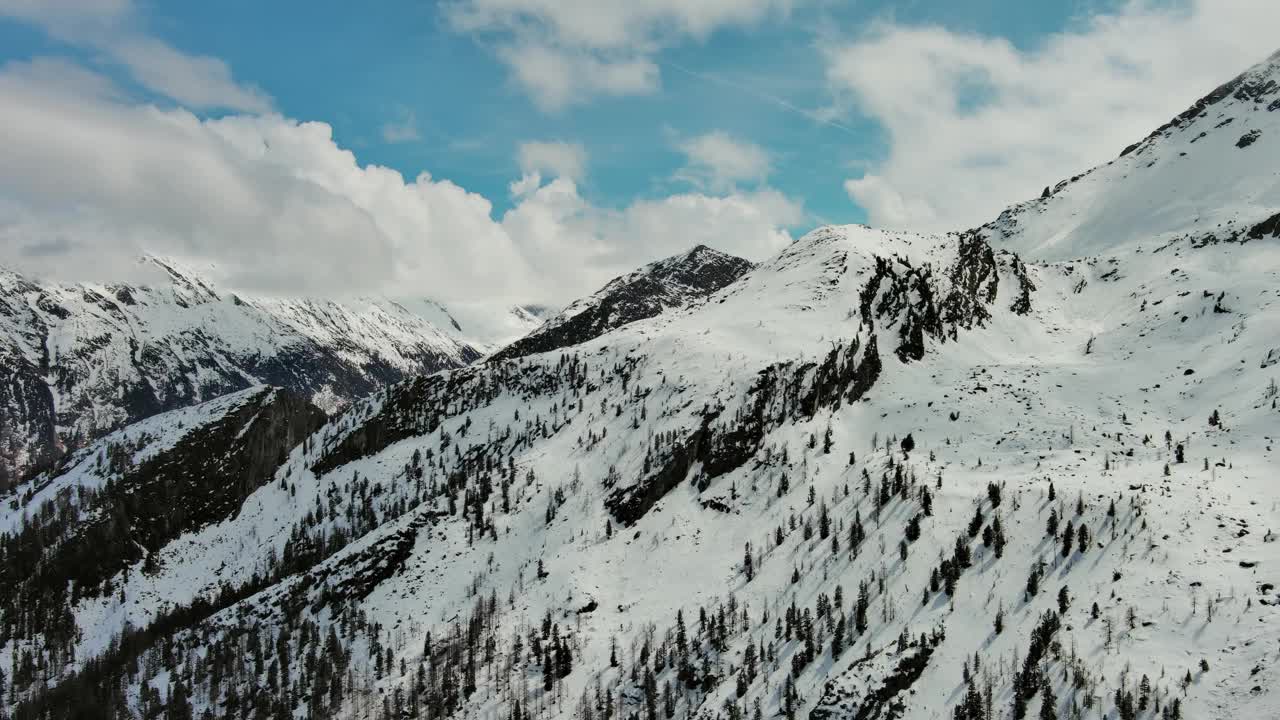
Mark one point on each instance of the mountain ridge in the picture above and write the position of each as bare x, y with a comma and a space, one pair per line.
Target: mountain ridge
1218, 157
662, 285
88, 358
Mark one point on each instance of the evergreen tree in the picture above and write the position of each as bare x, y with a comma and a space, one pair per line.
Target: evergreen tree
1048, 704
837, 639
860, 609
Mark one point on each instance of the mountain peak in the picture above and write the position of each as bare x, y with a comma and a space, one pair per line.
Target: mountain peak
1258, 86
669, 283
1207, 175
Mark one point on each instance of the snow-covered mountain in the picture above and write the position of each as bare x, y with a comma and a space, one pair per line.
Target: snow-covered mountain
1208, 175
84, 359
673, 282
1025, 470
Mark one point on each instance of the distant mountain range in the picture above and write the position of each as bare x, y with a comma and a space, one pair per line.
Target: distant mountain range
85, 359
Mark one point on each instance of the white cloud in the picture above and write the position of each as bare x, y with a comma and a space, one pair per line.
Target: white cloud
975, 123
112, 29
720, 161
554, 224
196, 81
88, 181
566, 51
68, 15
403, 130
557, 159
556, 78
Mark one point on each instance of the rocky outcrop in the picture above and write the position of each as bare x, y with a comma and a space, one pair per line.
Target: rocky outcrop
875, 687
897, 298
1267, 228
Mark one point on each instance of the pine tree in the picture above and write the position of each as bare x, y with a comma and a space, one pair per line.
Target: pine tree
837, 639
970, 707
860, 609
789, 698
1048, 703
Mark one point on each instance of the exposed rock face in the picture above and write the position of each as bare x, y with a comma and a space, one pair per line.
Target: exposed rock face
663, 285
1267, 228
27, 418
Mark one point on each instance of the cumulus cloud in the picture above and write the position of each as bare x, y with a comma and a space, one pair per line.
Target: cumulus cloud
976, 123
89, 180
566, 51
556, 158
719, 161
553, 222
112, 29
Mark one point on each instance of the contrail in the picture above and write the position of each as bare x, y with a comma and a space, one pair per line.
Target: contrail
812, 116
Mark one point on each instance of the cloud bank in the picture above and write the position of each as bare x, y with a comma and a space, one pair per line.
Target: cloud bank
90, 179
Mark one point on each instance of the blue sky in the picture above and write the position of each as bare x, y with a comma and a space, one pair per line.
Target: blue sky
788, 114
360, 71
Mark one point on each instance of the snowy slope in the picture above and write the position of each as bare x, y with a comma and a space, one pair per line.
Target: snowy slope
850, 484
1212, 173
86, 359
